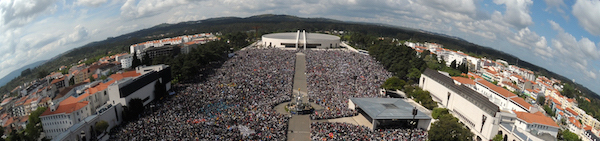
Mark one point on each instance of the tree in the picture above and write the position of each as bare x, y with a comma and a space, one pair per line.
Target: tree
25, 72
541, 100
42, 73
447, 128
71, 81
548, 110
425, 53
146, 60
136, 61
159, 90
437, 112
135, 107
92, 79
498, 137
568, 90
103, 77
34, 126
570, 136
101, 126
453, 64
394, 83
463, 67
414, 73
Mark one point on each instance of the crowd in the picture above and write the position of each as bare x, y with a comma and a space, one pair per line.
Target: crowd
335, 76
346, 131
235, 102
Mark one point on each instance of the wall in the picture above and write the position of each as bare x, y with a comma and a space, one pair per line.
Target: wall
463, 109
113, 116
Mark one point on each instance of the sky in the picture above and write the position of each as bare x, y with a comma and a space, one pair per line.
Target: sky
561, 36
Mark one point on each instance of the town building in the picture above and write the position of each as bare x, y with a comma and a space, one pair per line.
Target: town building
142, 87
59, 120
474, 110
126, 61
168, 50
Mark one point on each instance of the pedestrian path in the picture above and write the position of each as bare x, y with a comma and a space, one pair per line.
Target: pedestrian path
299, 125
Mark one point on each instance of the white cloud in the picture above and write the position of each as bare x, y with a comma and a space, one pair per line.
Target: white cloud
557, 5
588, 14
16, 13
93, 3
146, 8
532, 41
576, 53
517, 12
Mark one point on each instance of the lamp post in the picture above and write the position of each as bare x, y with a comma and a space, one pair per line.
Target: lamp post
414, 113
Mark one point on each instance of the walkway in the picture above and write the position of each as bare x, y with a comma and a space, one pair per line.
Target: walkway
299, 125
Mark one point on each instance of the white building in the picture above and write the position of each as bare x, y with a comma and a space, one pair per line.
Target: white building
142, 87
126, 60
536, 123
82, 131
89, 103
505, 99
484, 118
472, 109
300, 40
57, 121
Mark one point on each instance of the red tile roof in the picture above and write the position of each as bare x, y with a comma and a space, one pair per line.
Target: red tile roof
560, 108
100, 87
69, 108
555, 101
57, 80
572, 112
575, 122
464, 80
3, 115
537, 117
587, 127
9, 121
511, 85
497, 89
7, 100
23, 119
521, 102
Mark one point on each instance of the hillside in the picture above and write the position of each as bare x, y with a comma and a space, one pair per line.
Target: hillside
275, 23
17, 73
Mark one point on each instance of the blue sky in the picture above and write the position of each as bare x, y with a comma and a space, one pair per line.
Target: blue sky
562, 36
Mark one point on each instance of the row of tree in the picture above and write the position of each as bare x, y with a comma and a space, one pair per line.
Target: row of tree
188, 66
447, 127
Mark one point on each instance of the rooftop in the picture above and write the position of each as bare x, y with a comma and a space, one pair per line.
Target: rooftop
572, 112
387, 108
575, 122
537, 117
464, 91
464, 80
496, 88
100, 87
309, 36
69, 108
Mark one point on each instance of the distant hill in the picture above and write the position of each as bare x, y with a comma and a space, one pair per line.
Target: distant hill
270, 23
17, 72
